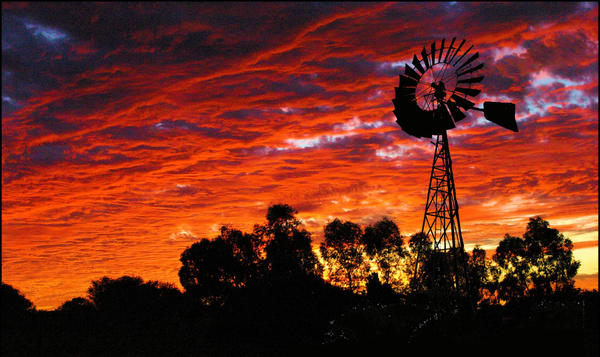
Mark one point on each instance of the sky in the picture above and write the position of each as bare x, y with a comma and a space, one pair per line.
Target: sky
129, 131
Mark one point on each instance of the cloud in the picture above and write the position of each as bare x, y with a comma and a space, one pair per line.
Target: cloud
125, 125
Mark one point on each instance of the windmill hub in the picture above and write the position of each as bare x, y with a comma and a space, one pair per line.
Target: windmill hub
438, 73
439, 91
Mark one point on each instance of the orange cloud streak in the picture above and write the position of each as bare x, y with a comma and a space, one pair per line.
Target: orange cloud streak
152, 138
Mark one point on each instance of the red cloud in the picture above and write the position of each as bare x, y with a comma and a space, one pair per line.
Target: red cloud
152, 125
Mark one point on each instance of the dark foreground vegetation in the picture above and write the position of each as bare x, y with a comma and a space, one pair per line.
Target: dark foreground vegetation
268, 293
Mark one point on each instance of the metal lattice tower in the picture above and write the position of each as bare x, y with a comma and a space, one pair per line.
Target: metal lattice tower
441, 221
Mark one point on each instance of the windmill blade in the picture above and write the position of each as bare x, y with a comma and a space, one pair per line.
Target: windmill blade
457, 114
405, 92
455, 52
462, 102
471, 80
433, 53
425, 124
441, 50
502, 114
406, 120
471, 59
417, 64
411, 72
463, 55
402, 120
425, 58
449, 49
415, 121
468, 91
407, 81
472, 69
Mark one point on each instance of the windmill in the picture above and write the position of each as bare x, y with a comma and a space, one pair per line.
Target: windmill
432, 97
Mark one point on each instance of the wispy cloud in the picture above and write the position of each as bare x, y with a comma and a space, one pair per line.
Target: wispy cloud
128, 131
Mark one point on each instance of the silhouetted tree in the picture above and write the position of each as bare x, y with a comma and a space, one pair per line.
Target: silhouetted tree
247, 252
287, 245
14, 304
550, 255
534, 264
212, 268
479, 272
440, 272
131, 299
18, 332
78, 305
282, 218
344, 253
384, 244
510, 257
420, 252
437, 271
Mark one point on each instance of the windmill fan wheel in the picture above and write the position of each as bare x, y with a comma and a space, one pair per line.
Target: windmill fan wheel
434, 92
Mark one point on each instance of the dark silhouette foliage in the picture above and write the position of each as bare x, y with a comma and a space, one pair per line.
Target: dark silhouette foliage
16, 316
130, 300
385, 244
378, 292
540, 263
478, 274
273, 301
282, 217
343, 252
213, 268
510, 257
550, 254
420, 251
77, 305
383, 235
287, 245
14, 304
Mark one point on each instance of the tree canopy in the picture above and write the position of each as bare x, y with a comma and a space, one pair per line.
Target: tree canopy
343, 252
14, 304
539, 263
550, 255
212, 268
287, 244
129, 297
385, 245
279, 249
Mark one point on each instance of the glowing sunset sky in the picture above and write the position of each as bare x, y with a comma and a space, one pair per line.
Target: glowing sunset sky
131, 130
